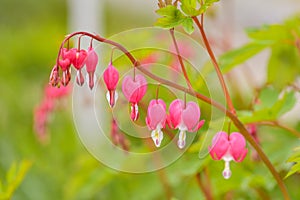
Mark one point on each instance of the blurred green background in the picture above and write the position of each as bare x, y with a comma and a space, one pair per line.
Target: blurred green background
30, 34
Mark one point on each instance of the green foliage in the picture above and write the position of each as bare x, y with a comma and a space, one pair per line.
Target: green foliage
282, 67
171, 17
14, 177
237, 56
189, 7
271, 104
295, 160
187, 25
281, 39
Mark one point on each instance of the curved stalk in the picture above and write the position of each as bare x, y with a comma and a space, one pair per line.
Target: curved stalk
228, 113
180, 59
216, 65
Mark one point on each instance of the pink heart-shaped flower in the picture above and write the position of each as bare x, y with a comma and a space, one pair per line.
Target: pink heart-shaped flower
238, 146
79, 59
175, 111
134, 90
156, 114
220, 145
191, 115
64, 64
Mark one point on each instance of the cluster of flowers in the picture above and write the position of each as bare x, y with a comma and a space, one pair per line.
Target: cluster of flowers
184, 116
45, 108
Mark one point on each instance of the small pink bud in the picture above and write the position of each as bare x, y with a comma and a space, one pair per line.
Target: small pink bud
91, 63
91, 60
54, 77
66, 77
111, 79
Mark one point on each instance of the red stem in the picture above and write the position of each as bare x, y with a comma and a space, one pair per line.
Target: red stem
180, 59
215, 63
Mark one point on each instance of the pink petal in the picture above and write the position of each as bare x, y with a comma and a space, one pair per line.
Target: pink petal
238, 146
64, 64
191, 115
91, 61
220, 145
111, 77
198, 126
79, 59
175, 111
69, 54
142, 88
134, 90
156, 113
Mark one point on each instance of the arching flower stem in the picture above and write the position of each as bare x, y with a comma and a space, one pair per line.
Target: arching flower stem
228, 113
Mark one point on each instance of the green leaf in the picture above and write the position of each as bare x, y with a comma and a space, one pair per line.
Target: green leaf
206, 5
269, 34
294, 158
283, 66
267, 98
272, 104
189, 7
171, 17
188, 25
168, 11
240, 55
15, 176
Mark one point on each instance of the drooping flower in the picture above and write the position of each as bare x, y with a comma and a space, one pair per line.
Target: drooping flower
156, 119
117, 137
228, 148
46, 107
185, 118
111, 79
134, 90
78, 62
91, 63
54, 77
67, 56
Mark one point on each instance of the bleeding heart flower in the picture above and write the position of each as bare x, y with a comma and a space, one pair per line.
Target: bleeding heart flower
54, 77
228, 148
78, 63
185, 118
111, 79
156, 120
91, 63
134, 90
67, 56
